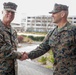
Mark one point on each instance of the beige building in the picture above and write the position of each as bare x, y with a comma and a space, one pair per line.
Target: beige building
72, 19
41, 23
18, 27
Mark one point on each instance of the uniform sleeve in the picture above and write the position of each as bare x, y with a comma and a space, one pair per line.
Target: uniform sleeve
74, 35
74, 50
6, 49
41, 49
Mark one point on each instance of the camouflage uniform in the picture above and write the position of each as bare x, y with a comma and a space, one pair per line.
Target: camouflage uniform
8, 53
63, 44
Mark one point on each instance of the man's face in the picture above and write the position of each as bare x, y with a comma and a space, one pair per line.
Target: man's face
56, 17
8, 16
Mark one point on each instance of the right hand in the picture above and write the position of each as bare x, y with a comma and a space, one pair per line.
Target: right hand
24, 56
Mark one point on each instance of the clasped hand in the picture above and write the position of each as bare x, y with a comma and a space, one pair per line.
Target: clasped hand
24, 56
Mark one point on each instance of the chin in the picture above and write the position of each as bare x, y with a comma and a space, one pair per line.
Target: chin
54, 21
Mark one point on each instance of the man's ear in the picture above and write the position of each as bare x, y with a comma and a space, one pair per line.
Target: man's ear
62, 13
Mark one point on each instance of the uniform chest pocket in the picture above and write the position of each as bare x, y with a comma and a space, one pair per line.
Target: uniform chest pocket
67, 38
53, 40
6, 37
60, 39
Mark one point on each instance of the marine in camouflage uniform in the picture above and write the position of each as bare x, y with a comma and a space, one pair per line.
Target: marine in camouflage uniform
63, 44
8, 47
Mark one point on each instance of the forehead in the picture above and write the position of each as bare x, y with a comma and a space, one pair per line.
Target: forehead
7, 11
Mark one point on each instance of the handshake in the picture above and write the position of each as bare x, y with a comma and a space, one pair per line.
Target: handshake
24, 56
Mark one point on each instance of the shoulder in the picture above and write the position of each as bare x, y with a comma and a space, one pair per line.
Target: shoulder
51, 31
72, 29
1, 27
1, 30
71, 26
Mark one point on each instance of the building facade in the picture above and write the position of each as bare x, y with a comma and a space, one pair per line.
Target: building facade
72, 19
41, 23
18, 27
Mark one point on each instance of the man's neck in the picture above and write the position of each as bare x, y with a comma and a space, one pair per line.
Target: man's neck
60, 25
6, 24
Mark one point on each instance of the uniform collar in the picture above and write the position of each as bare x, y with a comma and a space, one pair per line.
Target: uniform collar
64, 28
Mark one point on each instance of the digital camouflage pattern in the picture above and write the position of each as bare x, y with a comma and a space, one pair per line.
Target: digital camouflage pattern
63, 44
59, 7
8, 53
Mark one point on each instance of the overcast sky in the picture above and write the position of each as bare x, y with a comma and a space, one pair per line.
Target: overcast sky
38, 7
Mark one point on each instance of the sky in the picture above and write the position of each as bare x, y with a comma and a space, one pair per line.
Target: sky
37, 7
